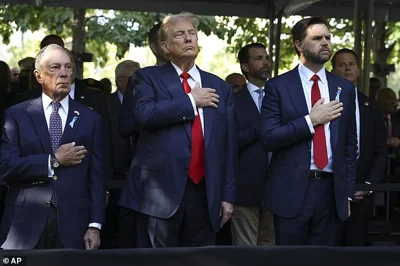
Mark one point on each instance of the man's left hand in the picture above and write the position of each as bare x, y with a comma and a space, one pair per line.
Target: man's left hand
226, 212
92, 238
360, 195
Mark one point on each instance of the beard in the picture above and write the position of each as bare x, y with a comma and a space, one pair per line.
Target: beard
316, 58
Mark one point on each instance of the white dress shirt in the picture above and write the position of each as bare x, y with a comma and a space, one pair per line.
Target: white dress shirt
305, 76
194, 78
120, 96
63, 112
252, 89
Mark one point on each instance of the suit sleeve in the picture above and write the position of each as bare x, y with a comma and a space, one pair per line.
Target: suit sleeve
153, 111
14, 167
97, 179
232, 151
350, 146
379, 164
275, 133
249, 134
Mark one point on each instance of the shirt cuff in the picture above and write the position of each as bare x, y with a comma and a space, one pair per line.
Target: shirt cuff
95, 225
50, 170
309, 123
350, 199
193, 103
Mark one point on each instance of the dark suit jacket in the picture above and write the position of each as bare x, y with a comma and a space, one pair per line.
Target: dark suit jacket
396, 151
286, 133
121, 147
372, 163
253, 159
157, 179
24, 158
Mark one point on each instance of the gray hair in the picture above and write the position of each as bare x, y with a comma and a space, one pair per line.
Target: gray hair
51, 47
172, 19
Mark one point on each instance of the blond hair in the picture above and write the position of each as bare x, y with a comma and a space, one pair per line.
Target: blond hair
171, 19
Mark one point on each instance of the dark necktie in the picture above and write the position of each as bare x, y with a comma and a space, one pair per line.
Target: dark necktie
55, 130
319, 141
388, 125
196, 167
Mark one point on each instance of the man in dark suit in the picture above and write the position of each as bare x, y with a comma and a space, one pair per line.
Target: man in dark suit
251, 224
308, 122
52, 159
121, 161
372, 150
182, 179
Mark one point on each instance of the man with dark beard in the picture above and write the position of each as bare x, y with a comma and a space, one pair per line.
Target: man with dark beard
308, 122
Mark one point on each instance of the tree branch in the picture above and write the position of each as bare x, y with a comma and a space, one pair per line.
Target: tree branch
91, 17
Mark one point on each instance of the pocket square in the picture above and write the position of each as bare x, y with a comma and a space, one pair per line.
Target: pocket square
339, 91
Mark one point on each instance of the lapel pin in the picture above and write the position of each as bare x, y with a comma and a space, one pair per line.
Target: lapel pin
76, 115
366, 103
82, 97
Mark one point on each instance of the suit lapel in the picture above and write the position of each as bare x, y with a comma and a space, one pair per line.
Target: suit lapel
334, 125
363, 106
174, 86
296, 92
70, 130
208, 112
248, 102
36, 114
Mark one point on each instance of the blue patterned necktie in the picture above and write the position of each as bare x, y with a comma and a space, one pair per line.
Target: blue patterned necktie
260, 98
55, 130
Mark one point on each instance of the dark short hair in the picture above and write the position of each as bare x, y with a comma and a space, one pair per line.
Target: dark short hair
152, 35
51, 39
299, 31
343, 51
244, 55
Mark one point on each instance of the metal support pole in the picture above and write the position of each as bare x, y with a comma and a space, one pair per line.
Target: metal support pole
278, 44
367, 45
357, 35
271, 33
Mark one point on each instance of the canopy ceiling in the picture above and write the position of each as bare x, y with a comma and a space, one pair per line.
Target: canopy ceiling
384, 9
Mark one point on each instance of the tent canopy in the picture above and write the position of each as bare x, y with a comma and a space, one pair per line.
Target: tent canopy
388, 10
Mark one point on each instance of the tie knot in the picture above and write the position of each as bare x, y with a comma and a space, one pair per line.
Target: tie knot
185, 75
260, 91
56, 106
315, 78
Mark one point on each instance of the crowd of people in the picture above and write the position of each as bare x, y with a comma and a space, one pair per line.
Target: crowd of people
249, 160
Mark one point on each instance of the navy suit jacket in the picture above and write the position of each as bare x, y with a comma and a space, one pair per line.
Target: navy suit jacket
372, 163
157, 179
253, 159
24, 158
286, 133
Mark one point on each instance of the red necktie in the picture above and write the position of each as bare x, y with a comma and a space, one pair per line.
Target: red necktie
196, 167
319, 141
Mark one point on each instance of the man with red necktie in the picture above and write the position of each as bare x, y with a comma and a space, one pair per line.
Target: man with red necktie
308, 122
182, 179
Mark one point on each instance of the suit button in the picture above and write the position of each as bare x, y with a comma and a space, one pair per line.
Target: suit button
184, 118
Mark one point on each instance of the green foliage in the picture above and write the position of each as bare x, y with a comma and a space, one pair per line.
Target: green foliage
121, 28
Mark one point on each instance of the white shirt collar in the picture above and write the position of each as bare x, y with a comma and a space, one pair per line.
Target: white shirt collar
193, 72
307, 73
72, 91
252, 88
46, 101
